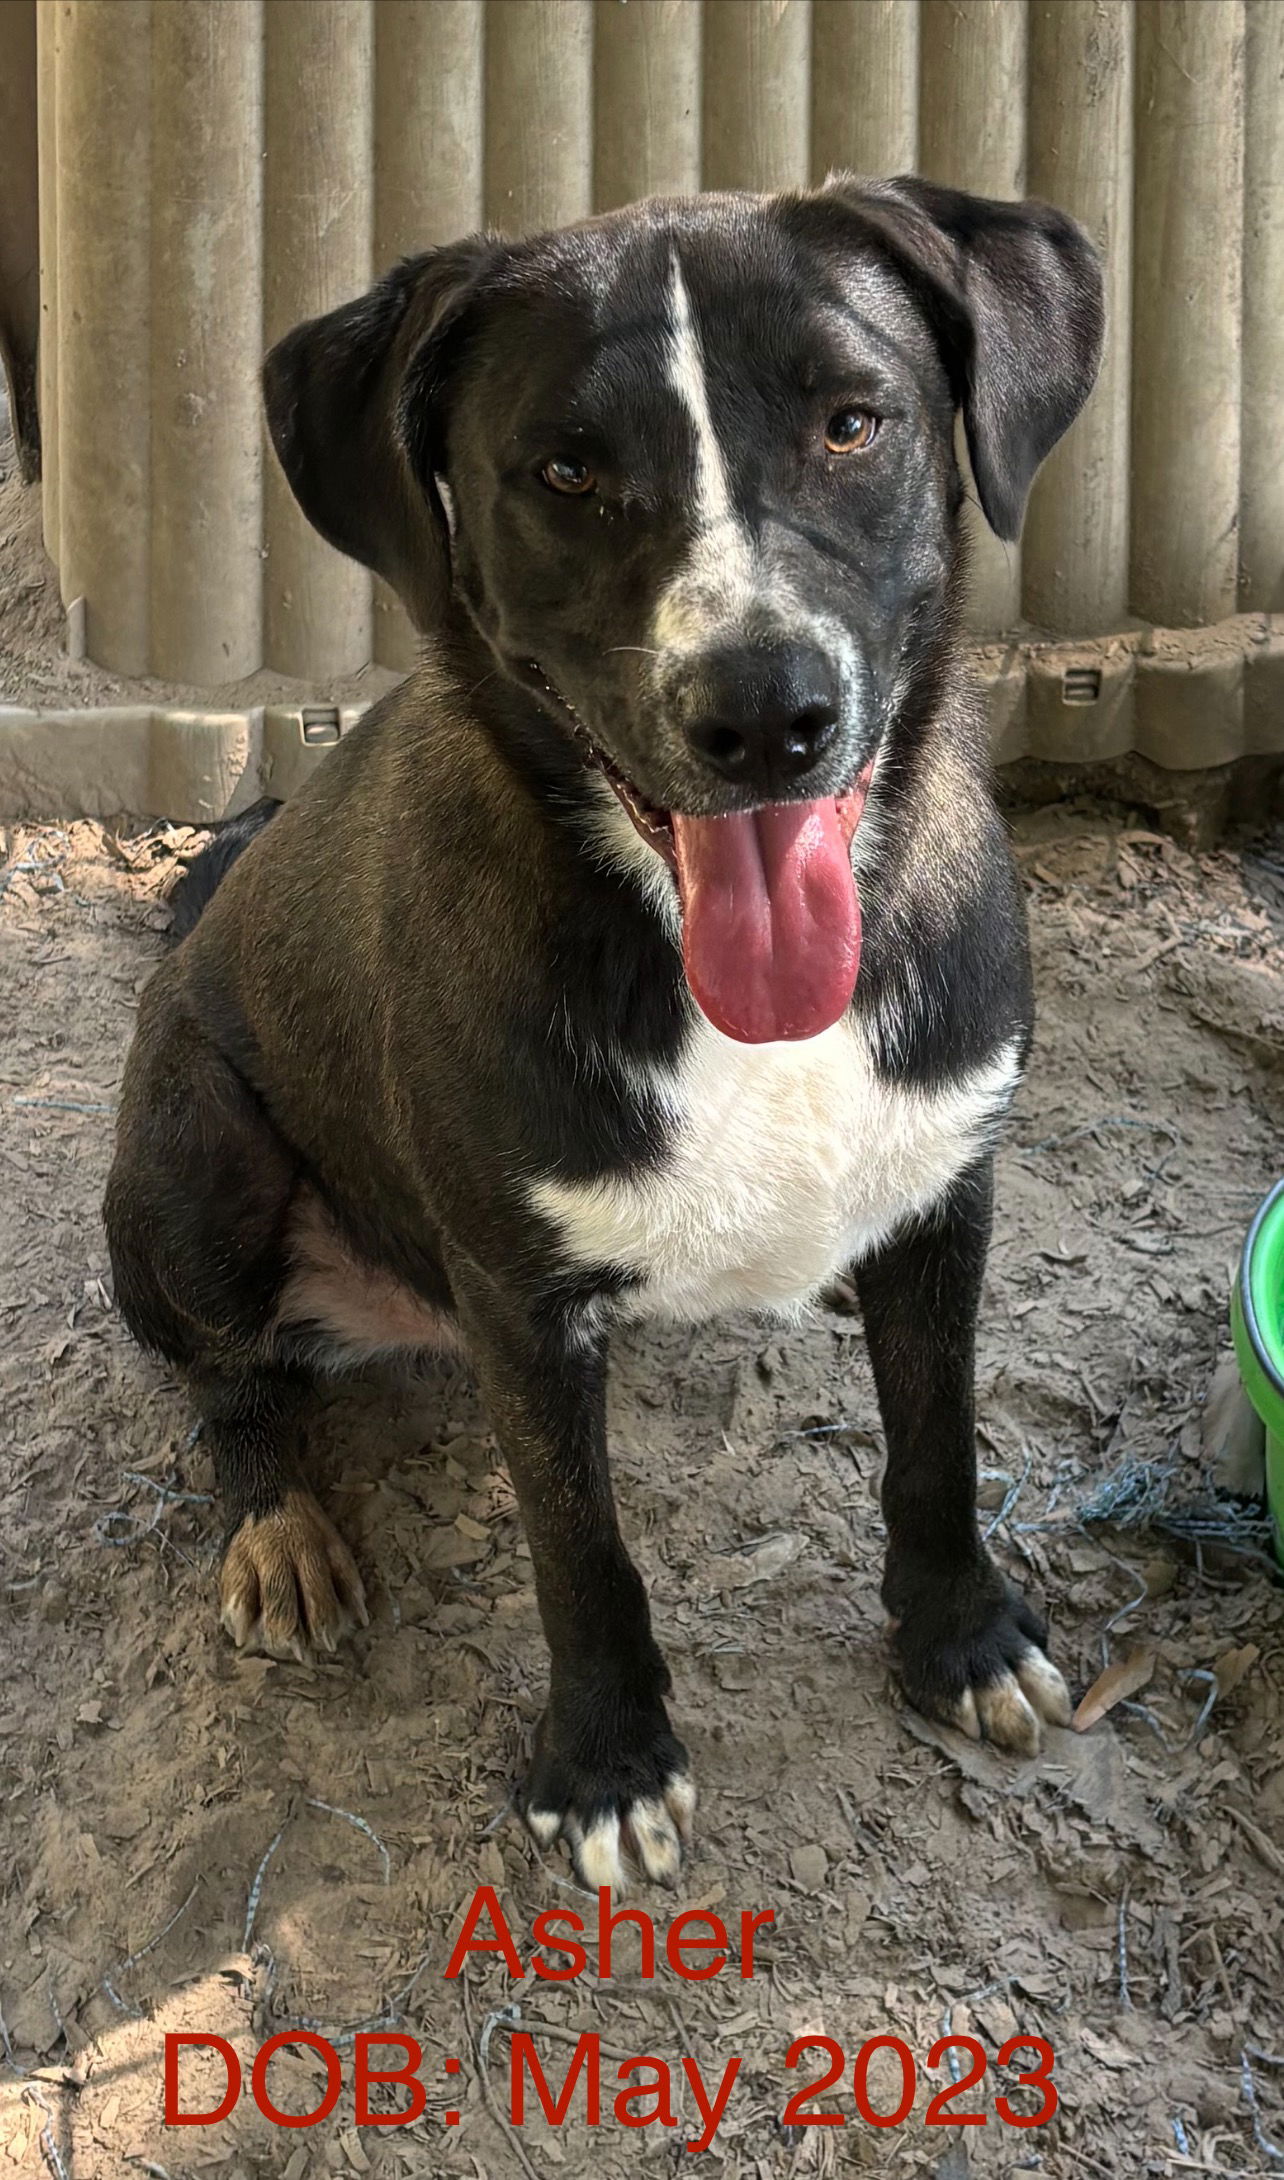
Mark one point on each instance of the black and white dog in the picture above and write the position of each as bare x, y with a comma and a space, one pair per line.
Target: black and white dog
655, 949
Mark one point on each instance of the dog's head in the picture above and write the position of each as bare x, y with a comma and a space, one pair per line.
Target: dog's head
689, 469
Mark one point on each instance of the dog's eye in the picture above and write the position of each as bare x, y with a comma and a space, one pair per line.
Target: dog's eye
564, 475
848, 430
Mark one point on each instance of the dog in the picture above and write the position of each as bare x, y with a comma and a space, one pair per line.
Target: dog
655, 949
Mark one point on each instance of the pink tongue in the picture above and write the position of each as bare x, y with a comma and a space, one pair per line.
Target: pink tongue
770, 919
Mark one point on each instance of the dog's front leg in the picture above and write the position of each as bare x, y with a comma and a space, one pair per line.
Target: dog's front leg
970, 1649
607, 1772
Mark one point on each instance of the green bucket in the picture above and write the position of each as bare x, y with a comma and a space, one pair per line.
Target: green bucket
1257, 1322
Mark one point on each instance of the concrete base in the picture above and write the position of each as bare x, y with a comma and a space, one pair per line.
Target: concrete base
1161, 713
145, 763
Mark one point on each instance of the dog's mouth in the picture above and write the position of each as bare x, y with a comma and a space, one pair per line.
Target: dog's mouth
771, 924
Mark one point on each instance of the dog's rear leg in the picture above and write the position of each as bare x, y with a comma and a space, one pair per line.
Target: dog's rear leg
288, 1579
197, 1215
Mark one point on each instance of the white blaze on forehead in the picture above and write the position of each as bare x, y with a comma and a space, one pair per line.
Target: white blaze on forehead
720, 579
686, 369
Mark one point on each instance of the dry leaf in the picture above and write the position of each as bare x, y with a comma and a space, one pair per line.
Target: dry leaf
1264, 1848
759, 1561
1230, 1668
1118, 1682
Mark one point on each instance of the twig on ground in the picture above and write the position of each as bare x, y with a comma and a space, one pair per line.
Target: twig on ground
1139, 1710
167, 1492
1142, 1495
1094, 1127
361, 1826
256, 1890
65, 1105
341, 2037
52, 2154
1265, 1849
9, 2052
1125, 1991
1220, 1965
143, 1951
506, 1809
390, 2016
482, 2048
511, 2018
1206, 1709
1261, 2138
968, 1998
133, 1527
1016, 1486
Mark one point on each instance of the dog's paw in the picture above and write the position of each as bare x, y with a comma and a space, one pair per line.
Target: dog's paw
985, 1671
1012, 1709
618, 1817
289, 1583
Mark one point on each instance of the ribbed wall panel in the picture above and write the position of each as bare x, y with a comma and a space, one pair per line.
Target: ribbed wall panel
972, 134
429, 105
1075, 549
20, 224
318, 220
1262, 463
429, 182
646, 100
206, 315
48, 45
757, 95
539, 112
1187, 281
104, 353
241, 164
864, 87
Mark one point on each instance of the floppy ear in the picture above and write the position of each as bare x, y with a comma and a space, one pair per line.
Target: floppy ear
1015, 293
335, 390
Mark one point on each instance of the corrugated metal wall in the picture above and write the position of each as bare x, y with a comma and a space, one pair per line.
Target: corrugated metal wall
214, 170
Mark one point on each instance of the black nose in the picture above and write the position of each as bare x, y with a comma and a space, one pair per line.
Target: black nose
762, 717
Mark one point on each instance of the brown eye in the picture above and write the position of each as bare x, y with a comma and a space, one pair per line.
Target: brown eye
563, 475
849, 430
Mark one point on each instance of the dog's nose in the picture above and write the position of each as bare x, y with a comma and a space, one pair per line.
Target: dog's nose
761, 717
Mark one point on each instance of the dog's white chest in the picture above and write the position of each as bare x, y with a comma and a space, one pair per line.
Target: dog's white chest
786, 1162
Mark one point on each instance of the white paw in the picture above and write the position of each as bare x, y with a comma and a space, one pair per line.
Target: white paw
646, 1837
1012, 1710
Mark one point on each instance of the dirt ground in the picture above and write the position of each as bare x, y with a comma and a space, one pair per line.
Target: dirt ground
190, 1841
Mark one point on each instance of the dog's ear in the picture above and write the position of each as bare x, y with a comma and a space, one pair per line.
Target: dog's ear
1015, 294
343, 393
